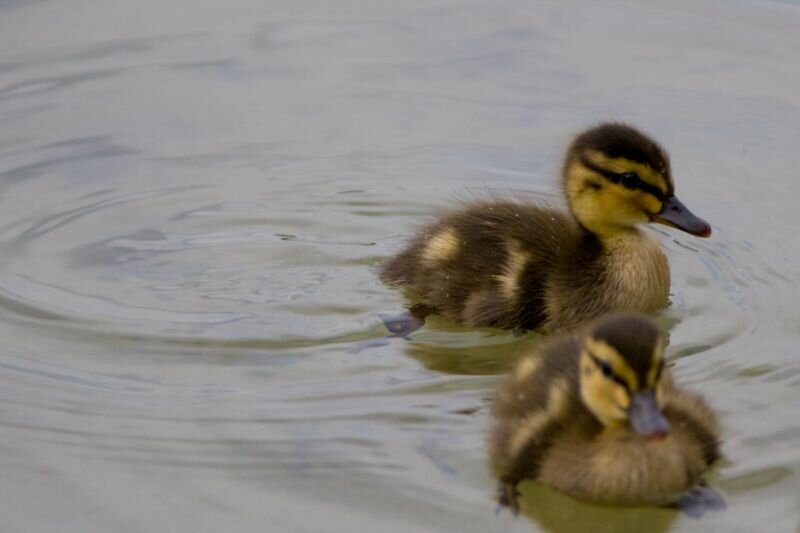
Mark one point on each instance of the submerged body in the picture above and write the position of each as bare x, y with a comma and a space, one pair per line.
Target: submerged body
512, 264
597, 415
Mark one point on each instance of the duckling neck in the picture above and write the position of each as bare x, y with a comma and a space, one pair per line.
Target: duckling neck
638, 268
626, 271
608, 232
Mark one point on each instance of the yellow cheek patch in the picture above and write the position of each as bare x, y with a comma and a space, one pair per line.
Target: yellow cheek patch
608, 209
579, 175
597, 393
621, 397
651, 204
441, 247
621, 207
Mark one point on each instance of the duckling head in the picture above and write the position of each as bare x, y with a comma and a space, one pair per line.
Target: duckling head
621, 365
615, 177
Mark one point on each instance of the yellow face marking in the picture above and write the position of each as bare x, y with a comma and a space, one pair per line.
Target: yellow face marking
620, 165
606, 353
603, 395
525, 369
509, 280
441, 247
600, 394
651, 204
609, 211
621, 397
532, 425
577, 176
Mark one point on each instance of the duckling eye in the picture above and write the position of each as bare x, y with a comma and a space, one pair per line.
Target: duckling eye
630, 180
607, 371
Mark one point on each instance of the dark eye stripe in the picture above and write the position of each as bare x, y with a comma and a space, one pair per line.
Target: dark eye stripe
613, 177
612, 376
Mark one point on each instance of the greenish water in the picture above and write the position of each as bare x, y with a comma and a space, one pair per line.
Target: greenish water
194, 197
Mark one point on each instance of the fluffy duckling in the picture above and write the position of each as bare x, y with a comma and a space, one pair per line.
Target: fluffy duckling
597, 415
525, 266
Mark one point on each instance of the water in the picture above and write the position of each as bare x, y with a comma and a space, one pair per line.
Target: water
195, 196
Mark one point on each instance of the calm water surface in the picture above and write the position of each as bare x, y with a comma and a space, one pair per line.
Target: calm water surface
194, 197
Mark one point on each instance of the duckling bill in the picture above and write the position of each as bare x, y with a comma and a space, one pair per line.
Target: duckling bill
517, 265
596, 414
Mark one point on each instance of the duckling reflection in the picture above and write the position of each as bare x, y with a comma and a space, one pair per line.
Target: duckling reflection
556, 512
475, 355
597, 415
510, 264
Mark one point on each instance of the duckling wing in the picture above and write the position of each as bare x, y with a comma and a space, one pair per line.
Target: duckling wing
535, 404
486, 264
695, 422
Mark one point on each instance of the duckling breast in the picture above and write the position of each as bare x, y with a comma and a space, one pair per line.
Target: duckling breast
621, 467
628, 273
640, 271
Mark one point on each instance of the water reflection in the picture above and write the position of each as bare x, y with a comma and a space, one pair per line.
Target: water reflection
556, 512
480, 358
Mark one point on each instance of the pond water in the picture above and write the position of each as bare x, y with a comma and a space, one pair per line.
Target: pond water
194, 197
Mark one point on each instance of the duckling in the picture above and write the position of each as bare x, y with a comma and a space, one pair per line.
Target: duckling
597, 415
524, 266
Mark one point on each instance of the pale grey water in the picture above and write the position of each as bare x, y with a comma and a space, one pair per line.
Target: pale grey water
194, 196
